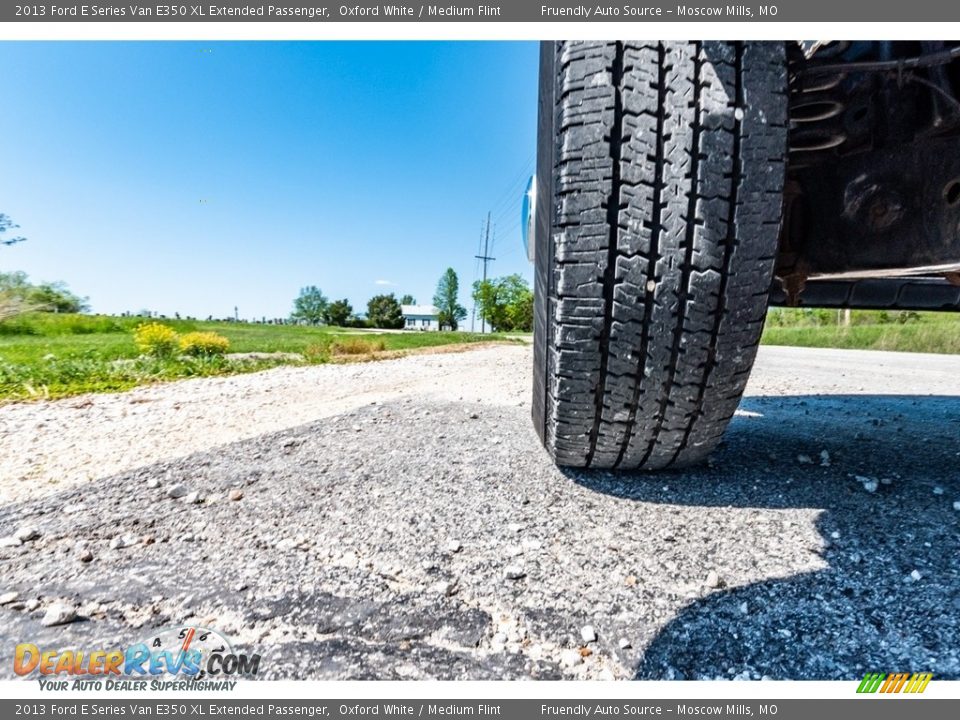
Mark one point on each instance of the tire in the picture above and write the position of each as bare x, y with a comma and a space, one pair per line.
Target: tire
660, 171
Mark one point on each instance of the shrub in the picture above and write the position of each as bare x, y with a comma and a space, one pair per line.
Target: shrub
356, 346
318, 352
156, 340
204, 344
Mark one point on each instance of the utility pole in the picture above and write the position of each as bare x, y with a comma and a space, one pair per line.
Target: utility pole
486, 259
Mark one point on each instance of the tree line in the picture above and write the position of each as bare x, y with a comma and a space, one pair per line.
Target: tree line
505, 304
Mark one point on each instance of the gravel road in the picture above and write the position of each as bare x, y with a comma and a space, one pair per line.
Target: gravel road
399, 520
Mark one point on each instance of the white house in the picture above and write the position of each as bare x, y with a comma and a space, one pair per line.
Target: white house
420, 317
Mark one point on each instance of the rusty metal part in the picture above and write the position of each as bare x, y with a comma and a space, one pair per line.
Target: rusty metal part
894, 211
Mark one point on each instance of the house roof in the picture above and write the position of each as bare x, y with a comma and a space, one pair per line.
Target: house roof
419, 310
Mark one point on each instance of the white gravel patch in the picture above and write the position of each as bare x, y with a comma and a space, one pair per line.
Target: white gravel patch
52, 445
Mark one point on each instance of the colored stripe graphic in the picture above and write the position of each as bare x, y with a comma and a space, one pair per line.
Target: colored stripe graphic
894, 682
870, 682
918, 683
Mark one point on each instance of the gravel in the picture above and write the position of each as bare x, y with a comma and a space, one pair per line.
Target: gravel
26, 534
514, 572
58, 614
329, 550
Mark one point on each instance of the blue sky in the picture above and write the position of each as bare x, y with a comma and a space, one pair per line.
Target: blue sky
191, 177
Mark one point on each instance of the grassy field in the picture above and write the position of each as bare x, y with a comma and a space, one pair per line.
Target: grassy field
49, 356
927, 332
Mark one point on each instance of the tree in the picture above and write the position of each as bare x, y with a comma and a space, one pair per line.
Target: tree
383, 311
309, 306
16, 282
338, 313
19, 293
445, 299
7, 224
408, 300
505, 303
56, 297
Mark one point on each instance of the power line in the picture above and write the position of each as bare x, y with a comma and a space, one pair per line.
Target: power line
510, 212
511, 188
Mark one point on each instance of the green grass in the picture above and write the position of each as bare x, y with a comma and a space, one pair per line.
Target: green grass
50, 356
926, 332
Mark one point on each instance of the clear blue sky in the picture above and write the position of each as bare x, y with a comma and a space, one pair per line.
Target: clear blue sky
191, 177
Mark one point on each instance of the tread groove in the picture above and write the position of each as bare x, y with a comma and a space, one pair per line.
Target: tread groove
613, 220
655, 230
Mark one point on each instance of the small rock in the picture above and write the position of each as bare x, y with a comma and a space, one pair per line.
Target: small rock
514, 572
122, 541
58, 614
570, 658
31, 604
824, 458
743, 608
624, 644
956, 505
192, 498
713, 580
28, 533
474, 416
356, 428
444, 587
454, 546
9, 597
86, 556
148, 540
630, 580
938, 490
236, 494
532, 545
585, 652
915, 576
176, 490
9, 542
835, 534
804, 459
588, 633
515, 527
153, 483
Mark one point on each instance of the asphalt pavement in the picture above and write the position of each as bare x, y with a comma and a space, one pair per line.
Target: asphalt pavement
417, 535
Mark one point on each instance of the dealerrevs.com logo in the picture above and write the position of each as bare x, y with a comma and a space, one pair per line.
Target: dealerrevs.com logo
176, 658
889, 683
